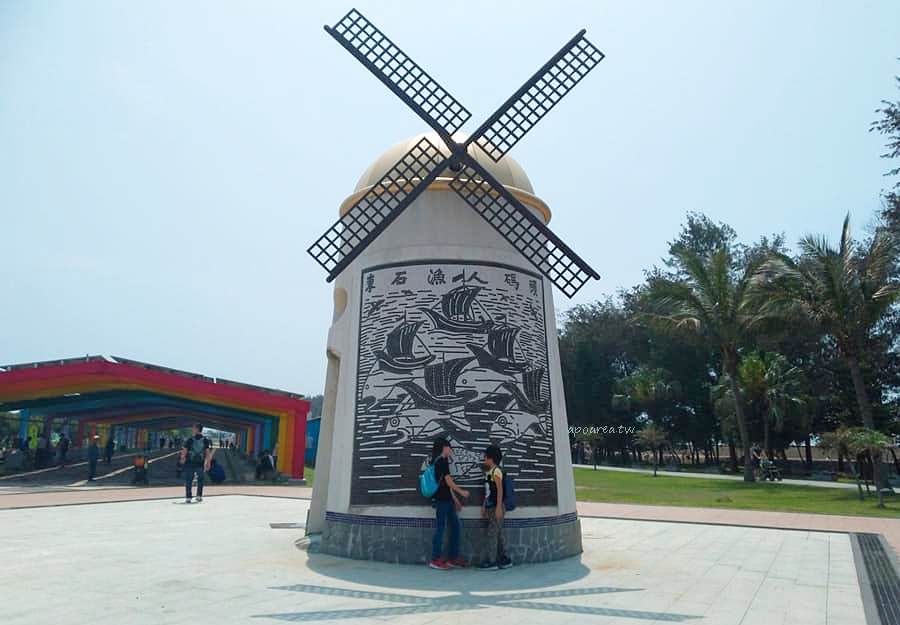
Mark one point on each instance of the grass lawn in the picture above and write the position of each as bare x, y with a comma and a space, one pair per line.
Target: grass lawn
639, 488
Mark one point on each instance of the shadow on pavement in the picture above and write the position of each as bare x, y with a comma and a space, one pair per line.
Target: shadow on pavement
464, 600
524, 587
420, 577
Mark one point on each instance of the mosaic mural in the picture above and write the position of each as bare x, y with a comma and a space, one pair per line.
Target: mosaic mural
457, 350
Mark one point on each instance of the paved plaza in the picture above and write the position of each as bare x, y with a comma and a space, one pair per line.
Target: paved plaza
160, 561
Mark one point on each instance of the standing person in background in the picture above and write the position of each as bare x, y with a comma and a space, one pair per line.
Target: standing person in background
109, 448
265, 465
63, 447
755, 456
195, 457
40, 452
48, 450
93, 455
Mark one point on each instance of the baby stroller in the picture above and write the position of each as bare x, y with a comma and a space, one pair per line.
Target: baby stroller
140, 472
769, 471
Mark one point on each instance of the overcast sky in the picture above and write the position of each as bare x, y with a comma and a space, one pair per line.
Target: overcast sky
164, 165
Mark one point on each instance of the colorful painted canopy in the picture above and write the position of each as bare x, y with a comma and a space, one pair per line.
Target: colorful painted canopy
117, 391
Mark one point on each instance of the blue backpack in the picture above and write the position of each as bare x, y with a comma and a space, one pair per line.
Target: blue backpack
509, 493
427, 481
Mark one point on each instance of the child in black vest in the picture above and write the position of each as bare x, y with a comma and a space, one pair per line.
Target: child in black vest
493, 511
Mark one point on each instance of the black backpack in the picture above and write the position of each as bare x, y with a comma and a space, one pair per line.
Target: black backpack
197, 451
509, 493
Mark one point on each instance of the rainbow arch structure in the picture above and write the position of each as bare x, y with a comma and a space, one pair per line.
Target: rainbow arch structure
100, 392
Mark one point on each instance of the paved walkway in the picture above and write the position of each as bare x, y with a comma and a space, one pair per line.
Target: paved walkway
74, 473
890, 528
152, 562
114, 473
718, 476
33, 498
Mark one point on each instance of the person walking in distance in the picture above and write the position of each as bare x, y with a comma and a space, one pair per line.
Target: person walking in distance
195, 457
109, 449
40, 452
93, 454
446, 508
63, 449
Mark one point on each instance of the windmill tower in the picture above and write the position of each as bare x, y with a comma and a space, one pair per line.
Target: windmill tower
444, 323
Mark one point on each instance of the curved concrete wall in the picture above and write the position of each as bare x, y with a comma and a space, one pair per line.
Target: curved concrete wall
439, 232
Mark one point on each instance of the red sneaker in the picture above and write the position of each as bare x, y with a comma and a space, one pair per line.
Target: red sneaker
438, 564
457, 563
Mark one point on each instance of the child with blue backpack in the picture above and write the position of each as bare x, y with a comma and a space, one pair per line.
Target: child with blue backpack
497, 499
444, 491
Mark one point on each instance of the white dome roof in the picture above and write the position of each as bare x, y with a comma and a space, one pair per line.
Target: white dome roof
507, 171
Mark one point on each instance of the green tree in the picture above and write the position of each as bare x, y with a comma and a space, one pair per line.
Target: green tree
653, 438
715, 300
688, 363
650, 391
702, 236
837, 442
870, 444
773, 388
844, 291
595, 349
889, 126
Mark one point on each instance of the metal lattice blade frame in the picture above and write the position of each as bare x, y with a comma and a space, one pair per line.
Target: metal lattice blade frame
525, 108
378, 207
399, 73
526, 232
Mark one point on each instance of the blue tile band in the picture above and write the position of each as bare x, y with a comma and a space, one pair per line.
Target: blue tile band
364, 519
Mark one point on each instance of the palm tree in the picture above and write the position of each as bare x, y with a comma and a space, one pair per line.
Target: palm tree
722, 398
774, 387
714, 300
844, 292
837, 442
654, 439
870, 444
648, 390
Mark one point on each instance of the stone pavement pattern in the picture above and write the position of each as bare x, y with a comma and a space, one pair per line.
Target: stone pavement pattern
887, 527
162, 562
890, 528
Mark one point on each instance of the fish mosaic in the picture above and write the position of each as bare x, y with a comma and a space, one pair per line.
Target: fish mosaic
458, 350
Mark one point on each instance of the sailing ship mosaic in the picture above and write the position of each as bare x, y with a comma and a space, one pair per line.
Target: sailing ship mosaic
457, 350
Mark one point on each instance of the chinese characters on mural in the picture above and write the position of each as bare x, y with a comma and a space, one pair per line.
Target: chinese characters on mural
456, 350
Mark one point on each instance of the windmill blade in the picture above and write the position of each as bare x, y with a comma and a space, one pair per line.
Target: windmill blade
399, 73
378, 207
540, 93
518, 225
